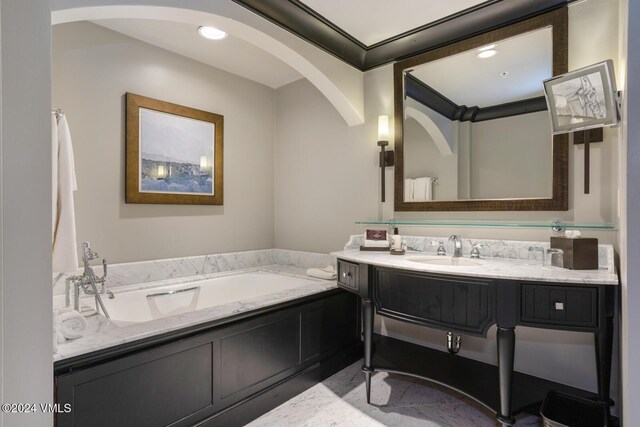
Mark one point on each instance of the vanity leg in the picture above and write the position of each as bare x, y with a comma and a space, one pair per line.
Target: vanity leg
367, 326
604, 347
506, 338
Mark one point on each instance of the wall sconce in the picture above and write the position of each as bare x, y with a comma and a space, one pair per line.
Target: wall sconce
386, 157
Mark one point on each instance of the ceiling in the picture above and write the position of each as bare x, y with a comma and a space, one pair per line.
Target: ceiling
372, 21
363, 33
398, 29
527, 59
231, 54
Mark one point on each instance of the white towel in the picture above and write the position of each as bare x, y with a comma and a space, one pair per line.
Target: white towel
376, 243
71, 325
408, 189
423, 189
64, 249
327, 273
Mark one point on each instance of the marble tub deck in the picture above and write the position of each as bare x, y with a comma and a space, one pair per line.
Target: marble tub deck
396, 400
103, 333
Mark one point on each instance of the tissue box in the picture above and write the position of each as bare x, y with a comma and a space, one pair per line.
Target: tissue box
579, 254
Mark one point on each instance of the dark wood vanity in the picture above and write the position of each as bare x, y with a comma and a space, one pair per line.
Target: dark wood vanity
470, 306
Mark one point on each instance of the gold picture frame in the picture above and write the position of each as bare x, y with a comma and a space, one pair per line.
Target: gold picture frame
174, 154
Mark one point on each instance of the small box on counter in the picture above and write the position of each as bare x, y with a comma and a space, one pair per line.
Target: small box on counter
578, 254
375, 240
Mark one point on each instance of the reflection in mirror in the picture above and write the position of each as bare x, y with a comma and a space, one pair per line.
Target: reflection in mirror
471, 128
476, 125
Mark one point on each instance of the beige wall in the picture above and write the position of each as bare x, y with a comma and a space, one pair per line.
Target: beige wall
322, 183
511, 157
92, 69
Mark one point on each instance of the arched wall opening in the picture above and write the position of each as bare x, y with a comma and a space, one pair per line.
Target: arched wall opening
339, 83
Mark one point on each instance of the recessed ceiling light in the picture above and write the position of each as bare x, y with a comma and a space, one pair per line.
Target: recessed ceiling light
487, 53
211, 33
487, 47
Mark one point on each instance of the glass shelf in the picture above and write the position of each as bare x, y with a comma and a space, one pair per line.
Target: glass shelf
555, 226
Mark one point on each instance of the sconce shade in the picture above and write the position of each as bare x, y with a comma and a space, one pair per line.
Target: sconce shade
383, 128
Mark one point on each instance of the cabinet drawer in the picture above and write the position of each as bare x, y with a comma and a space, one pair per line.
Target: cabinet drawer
348, 275
560, 305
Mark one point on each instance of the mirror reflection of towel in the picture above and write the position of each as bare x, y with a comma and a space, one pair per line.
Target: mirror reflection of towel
422, 189
408, 189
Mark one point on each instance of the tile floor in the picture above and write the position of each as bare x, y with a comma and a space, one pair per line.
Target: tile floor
397, 400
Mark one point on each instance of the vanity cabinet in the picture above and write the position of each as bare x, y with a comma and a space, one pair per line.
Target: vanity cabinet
223, 375
470, 305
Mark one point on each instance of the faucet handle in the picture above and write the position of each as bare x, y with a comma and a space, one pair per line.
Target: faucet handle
87, 253
104, 268
441, 250
475, 253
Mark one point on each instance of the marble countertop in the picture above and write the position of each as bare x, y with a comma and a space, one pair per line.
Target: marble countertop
103, 333
497, 268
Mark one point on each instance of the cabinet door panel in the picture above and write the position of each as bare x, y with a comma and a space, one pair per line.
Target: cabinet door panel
158, 392
450, 303
331, 326
256, 355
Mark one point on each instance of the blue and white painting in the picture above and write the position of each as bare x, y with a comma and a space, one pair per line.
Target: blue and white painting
176, 154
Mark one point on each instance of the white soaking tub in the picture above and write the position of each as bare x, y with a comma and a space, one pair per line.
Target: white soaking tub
143, 305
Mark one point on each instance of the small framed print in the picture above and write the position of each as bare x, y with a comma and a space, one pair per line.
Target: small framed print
174, 153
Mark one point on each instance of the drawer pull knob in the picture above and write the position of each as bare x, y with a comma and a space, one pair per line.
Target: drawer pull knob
559, 306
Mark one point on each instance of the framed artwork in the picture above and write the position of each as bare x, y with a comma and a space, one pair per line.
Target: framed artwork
174, 154
582, 99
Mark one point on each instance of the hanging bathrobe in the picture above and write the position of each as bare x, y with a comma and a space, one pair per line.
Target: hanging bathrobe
65, 251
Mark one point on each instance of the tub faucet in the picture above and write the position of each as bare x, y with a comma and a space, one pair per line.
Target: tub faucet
88, 282
457, 245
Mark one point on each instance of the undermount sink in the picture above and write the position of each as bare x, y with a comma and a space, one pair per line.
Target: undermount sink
460, 262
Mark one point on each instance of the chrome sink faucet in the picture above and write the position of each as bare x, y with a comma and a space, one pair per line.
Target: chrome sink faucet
88, 282
457, 245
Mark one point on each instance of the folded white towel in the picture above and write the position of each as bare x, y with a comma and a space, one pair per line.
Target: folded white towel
408, 189
71, 325
376, 243
327, 273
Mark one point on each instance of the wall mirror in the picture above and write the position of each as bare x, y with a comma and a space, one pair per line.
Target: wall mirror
472, 126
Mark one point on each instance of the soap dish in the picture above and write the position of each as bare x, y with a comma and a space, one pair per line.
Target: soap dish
396, 252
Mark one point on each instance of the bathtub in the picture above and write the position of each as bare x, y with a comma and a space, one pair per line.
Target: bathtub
143, 305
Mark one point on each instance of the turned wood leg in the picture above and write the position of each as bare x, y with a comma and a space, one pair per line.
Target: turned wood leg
367, 326
604, 347
506, 349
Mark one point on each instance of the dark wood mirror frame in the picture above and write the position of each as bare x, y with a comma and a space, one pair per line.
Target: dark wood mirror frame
558, 20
